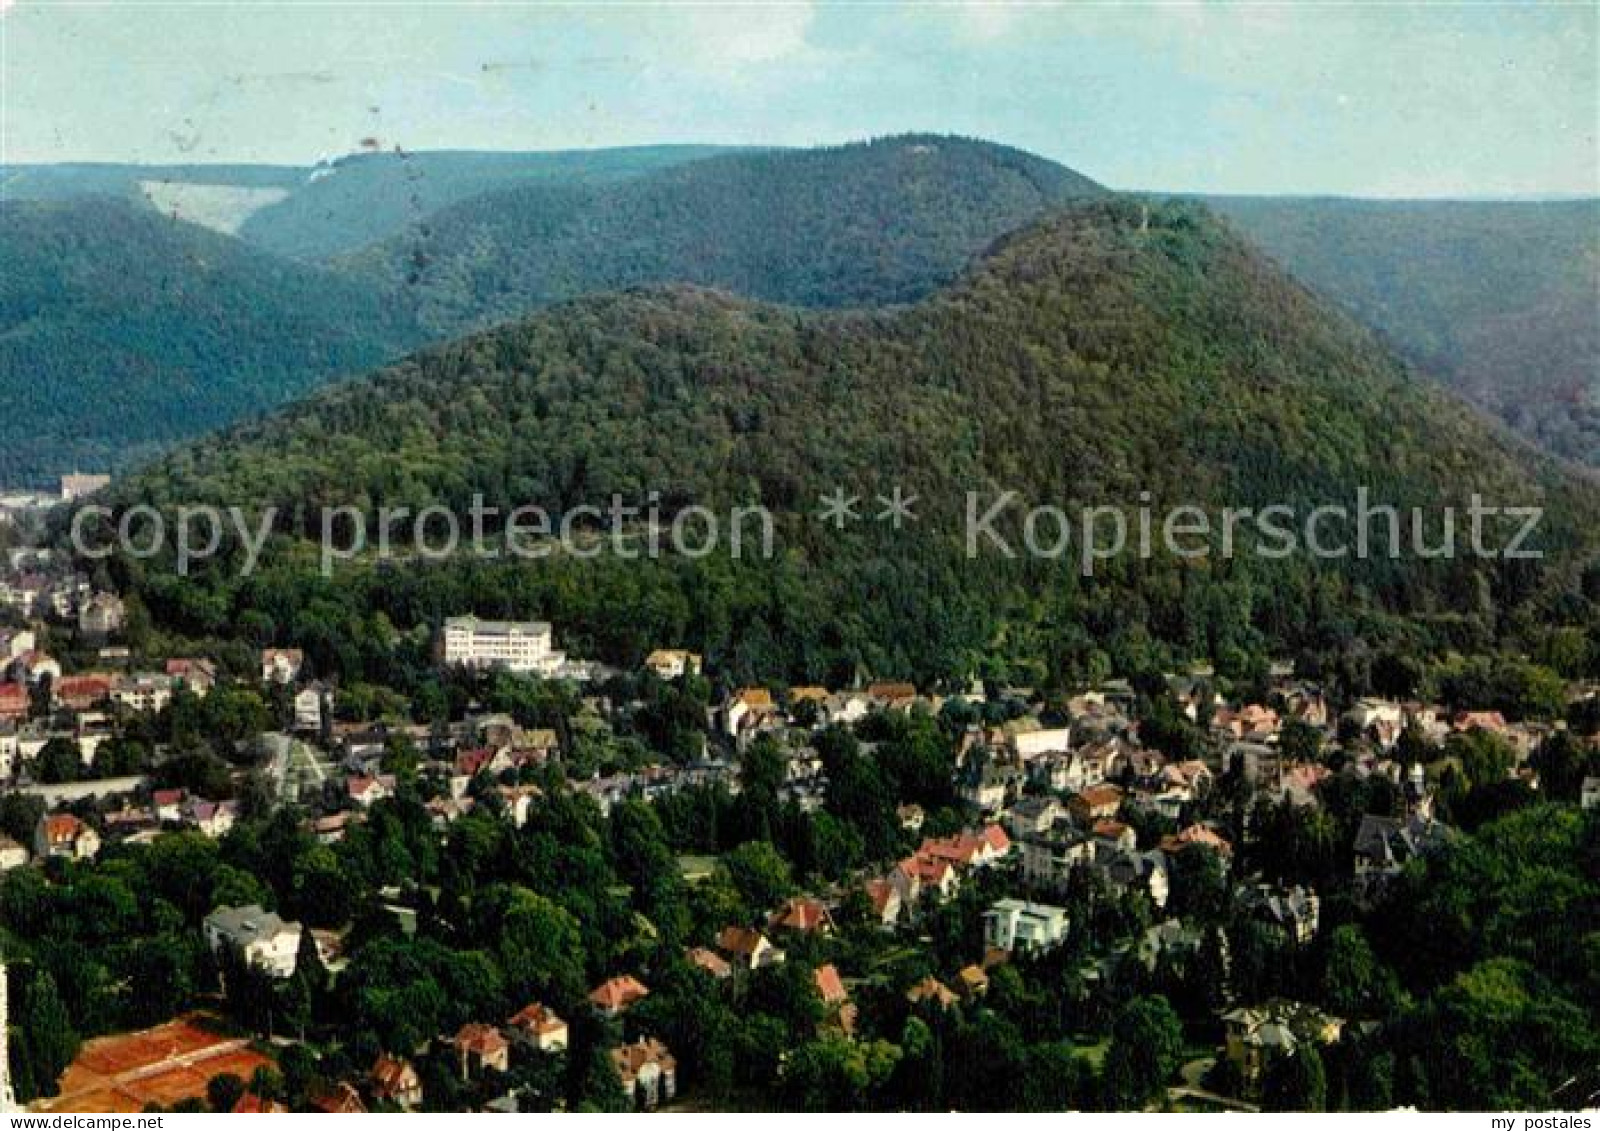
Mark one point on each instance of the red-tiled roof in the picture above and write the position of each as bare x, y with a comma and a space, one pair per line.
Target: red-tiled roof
485, 1040
618, 993
830, 985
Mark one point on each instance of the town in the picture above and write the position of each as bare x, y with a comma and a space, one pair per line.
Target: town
559, 884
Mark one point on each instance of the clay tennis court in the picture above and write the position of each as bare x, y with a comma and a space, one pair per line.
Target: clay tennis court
163, 1065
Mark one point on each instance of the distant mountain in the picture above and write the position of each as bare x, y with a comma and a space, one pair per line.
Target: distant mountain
1499, 301
314, 212
880, 222
194, 330
122, 330
359, 200
1111, 349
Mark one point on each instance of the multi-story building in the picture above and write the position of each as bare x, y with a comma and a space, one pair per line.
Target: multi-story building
145, 692
526, 647
1015, 924
260, 937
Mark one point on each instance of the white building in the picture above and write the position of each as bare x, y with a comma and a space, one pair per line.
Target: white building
526, 647
77, 485
1015, 924
261, 938
308, 708
1031, 744
147, 693
10, 750
281, 665
673, 663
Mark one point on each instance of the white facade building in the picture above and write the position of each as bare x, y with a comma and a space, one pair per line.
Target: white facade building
1015, 924
261, 937
526, 647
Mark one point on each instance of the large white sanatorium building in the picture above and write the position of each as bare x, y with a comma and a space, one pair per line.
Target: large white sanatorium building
516, 646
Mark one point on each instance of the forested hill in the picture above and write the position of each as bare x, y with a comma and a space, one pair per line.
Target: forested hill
886, 221
122, 329
372, 196
313, 212
1499, 301
1110, 349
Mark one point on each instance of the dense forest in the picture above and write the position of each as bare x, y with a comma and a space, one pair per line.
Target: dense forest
1113, 349
881, 222
313, 212
195, 329
122, 330
1500, 301
370, 196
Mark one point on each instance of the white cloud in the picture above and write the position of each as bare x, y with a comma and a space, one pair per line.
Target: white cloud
731, 36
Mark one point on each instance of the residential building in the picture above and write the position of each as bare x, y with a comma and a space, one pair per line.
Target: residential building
648, 1071
147, 693
394, 1080
1383, 845
710, 961
616, 996
673, 663
539, 1027
77, 485
1295, 910
282, 665
195, 676
1255, 1036
481, 1048
102, 615
1031, 744
62, 836
1015, 924
259, 937
1049, 857
747, 949
309, 708
1095, 803
802, 915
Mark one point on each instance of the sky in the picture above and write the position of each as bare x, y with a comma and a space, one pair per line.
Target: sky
1392, 100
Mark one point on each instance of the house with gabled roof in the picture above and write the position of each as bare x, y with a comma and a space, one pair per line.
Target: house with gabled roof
63, 836
747, 948
282, 665
886, 901
709, 961
616, 996
841, 1012
481, 1048
1094, 803
538, 1027
648, 1071
802, 915
394, 1080
338, 1099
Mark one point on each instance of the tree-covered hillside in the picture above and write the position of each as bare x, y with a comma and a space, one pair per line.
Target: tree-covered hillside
121, 330
881, 222
313, 212
368, 197
1499, 301
1112, 349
